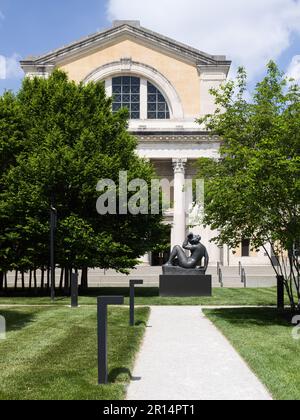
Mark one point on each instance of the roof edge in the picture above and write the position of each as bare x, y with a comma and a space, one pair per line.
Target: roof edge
132, 27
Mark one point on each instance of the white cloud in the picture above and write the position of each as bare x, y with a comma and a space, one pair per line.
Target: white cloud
250, 32
293, 71
2, 67
10, 67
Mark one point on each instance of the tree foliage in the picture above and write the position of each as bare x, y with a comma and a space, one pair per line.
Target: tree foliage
253, 191
57, 140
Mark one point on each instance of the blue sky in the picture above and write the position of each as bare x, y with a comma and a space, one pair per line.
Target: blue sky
250, 32
32, 27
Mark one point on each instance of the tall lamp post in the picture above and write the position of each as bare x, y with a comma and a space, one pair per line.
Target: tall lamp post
53, 225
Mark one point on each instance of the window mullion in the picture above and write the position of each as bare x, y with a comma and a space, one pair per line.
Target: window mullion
144, 99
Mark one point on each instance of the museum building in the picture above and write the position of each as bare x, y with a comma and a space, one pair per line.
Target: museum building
166, 87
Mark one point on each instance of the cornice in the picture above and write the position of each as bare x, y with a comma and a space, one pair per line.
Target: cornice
199, 58
176, 137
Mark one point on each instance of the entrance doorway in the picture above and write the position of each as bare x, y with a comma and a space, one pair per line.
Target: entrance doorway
159, 258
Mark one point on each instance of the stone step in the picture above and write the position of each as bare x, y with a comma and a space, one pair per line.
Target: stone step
106, 281
256, 277
228, 271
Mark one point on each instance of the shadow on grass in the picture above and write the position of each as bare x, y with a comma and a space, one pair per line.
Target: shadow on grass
115, 374
17, 320
252, 316
31, 293
12, 292
140, 324
91, 292
123, 291
124, 373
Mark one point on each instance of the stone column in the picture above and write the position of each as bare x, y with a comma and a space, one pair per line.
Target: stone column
179, 224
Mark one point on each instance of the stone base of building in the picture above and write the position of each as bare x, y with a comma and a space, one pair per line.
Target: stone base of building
185, 286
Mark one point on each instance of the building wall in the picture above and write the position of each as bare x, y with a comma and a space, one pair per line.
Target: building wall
182, 75
163, 141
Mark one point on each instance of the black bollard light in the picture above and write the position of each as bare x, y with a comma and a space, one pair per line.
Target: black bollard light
74, 290
53, 227
133, 283
280, 293
103, 302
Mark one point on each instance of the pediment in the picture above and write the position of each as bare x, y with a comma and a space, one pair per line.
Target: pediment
121, 30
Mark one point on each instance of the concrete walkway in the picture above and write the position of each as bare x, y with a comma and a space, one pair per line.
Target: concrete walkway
184, 357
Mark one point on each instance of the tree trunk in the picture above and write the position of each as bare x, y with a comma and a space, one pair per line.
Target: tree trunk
16, 279
1, 280
84, 278
23, 280
5, 280
30, 279
35, 281
66, 289
61, 278
42, 278
48, 278
70, 280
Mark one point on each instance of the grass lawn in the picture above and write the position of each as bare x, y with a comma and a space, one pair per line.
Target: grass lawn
51, 353
264, 339
150, 296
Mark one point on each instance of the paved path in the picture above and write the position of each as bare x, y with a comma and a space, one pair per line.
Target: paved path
185, 357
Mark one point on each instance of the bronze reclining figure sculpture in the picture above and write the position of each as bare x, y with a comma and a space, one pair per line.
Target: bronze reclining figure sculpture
178, 258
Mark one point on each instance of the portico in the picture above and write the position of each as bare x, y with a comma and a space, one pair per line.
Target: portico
174, 155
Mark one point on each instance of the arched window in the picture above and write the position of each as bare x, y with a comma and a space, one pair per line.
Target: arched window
127, 93
157, 105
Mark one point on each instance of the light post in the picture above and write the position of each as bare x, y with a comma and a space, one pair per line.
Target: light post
102, 303
133, 283
280, 293
53, 225
74, 290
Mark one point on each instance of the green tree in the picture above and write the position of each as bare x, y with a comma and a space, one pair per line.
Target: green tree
70, 141
12, 129
253, 191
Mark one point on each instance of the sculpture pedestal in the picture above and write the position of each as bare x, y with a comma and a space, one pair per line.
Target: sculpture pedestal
185, 286
169, 270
